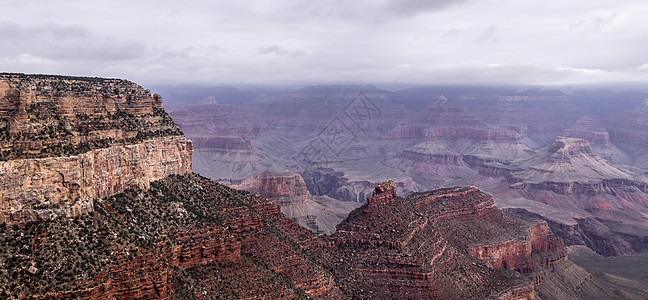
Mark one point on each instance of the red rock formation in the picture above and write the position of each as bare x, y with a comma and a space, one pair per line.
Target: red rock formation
569, 176
541, 245
317, 213
395, 247
140, 278
200, 247
384, 193
70, 140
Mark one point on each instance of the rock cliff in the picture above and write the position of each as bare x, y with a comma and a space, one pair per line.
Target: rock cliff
284, 188
50, 116
68, 140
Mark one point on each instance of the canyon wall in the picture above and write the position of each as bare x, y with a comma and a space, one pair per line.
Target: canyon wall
43, 188
65, 141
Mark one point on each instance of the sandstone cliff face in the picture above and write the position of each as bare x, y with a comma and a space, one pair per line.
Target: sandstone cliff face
65, 141
284, 188
44, 188
541, 247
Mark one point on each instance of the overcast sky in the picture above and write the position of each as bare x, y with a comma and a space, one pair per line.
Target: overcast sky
318, 42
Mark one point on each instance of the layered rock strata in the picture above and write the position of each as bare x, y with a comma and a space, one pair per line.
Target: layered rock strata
49, 116
65, 141
569, 176
43, 188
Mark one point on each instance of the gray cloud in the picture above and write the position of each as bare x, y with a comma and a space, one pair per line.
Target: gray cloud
274, 49
303, 42
412, 7
65, 42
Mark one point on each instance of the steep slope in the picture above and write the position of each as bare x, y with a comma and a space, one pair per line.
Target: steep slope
317, 213
185, 237
68, 140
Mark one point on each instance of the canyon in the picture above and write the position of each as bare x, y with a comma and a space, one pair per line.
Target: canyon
574, 159
99, 200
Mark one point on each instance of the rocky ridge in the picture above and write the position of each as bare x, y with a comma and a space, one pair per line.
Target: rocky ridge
186, 236
448, 243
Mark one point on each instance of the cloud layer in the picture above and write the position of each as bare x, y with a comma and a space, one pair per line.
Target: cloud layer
334, 41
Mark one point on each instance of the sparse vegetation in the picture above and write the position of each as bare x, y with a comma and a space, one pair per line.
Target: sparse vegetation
69, 254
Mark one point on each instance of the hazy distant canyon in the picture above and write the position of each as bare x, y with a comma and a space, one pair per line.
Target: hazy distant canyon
578, 159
